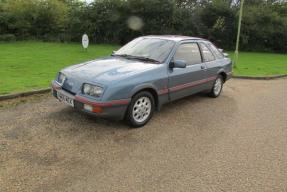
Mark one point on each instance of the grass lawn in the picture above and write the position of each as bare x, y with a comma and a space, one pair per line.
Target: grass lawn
260, 64
32, 65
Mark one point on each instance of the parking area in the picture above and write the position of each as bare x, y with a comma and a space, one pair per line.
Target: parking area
236, 142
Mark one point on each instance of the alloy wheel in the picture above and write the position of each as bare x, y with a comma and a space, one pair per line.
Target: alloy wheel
141, 109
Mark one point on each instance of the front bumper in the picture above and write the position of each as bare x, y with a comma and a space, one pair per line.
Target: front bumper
114, 109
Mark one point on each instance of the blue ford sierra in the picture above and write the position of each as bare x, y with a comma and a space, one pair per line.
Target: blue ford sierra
143, 75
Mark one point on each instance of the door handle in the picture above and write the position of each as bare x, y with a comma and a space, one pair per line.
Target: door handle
203, 67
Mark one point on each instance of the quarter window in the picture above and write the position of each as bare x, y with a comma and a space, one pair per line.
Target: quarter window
189, 52
207, 55
215, 51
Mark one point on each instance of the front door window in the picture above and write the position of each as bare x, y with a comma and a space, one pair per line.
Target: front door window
189, 52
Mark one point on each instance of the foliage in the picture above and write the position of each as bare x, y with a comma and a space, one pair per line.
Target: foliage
30, 18
264, 28
7, 37
216, 22
264, 25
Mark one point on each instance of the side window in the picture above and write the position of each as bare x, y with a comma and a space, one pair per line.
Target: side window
206, 53
189, 52
215, 51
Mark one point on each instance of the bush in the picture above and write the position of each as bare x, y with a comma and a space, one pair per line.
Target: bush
7, 37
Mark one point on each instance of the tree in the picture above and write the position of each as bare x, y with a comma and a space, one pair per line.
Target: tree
216, 21
113, 21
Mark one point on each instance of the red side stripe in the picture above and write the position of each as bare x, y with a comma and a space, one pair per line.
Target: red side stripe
186, 85
163, 91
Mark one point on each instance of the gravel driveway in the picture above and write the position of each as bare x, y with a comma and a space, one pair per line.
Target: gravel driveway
237, 142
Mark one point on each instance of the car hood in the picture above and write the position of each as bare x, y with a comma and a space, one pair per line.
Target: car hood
108, 69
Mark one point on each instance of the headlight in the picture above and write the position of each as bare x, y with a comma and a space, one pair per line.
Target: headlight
61, 78
92, 90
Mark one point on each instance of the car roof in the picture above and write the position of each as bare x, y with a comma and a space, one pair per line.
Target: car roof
174, 37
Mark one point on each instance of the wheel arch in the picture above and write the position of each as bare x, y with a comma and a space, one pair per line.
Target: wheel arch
223, 74
148, 88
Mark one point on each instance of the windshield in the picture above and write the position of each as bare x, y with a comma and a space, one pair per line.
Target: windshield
148, 48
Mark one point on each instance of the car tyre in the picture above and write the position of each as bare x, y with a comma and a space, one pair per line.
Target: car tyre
217, 87
140, 109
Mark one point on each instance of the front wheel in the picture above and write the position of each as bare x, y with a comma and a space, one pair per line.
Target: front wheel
217, 87
140, 109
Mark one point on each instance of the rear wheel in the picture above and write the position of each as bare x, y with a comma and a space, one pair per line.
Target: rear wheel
140, 109
217, 87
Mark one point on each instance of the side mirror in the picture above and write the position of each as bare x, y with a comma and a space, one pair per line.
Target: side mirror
221, 50
178, 64
114, 52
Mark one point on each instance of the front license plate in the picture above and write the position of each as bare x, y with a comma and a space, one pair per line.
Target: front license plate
65, 99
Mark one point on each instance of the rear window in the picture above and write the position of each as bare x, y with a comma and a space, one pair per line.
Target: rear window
206, 53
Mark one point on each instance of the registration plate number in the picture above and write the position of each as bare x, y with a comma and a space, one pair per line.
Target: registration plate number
65, 99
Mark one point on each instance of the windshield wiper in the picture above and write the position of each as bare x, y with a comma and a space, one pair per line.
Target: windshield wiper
137, 57
146, 59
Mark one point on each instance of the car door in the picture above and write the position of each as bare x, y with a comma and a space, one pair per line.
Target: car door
189, 80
